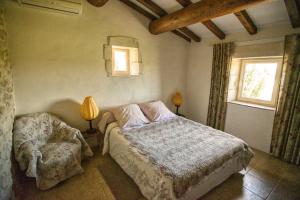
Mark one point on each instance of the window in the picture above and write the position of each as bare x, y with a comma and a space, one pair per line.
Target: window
124, 61
259, 81
122, 57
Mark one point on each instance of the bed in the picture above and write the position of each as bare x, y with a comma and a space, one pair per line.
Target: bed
176, 158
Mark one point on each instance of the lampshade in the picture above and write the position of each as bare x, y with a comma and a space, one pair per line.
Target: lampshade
88, 109
177, 99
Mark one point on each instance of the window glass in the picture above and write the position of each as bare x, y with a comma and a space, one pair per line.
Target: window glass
120, 60
258, 80
125, 61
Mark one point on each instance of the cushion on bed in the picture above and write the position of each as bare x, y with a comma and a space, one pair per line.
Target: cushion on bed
106, 119
156, 111
129, 116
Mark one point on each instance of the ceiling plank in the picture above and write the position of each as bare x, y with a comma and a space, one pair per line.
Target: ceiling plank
293, 8
199, 12
246, 21
161, 12
97, 3
209, 24
151, 17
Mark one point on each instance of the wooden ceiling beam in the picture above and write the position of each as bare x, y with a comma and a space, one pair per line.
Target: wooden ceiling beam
153, 7
151, 17
190, 33
246, 21
214, 29
210, 25
161, 12
293, 9
97, 3
139, 9
178, 33
185, 3
199, 12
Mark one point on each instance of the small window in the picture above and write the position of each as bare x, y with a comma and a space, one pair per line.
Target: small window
124, 61
259, 81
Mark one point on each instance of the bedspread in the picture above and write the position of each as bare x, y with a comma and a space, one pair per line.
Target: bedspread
186, 151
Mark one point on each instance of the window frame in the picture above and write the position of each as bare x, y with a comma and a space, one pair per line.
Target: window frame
116, 72
276, 86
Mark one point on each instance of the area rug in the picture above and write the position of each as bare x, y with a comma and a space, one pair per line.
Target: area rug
120, 184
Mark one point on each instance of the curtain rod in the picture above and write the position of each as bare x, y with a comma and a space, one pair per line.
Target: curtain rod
258, 41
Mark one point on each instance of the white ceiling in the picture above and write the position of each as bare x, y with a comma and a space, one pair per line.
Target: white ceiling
265, 14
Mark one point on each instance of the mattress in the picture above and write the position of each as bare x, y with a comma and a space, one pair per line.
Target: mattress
151, 181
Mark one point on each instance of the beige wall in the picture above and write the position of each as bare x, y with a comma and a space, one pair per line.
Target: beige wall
57, 59
251, 124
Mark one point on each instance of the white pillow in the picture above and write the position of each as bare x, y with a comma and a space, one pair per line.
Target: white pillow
129, 116
156, 111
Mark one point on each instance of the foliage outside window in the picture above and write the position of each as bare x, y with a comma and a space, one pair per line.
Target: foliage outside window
259, 81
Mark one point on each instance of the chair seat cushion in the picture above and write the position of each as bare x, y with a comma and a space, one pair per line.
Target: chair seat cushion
60, 160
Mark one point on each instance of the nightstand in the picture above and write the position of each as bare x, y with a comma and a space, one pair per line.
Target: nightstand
98, 135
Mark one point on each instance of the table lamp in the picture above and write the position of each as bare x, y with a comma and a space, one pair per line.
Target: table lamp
89, 111
177, 101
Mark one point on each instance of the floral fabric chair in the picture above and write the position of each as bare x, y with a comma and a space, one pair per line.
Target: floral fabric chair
48, 149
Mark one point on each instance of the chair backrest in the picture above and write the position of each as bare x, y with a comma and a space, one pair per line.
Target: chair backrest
35, 127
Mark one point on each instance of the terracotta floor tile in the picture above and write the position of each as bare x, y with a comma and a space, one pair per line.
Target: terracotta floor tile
257, 186
285, 191
265, 175
226, 191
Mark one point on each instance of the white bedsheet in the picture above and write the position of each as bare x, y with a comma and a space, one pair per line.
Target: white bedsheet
150, 181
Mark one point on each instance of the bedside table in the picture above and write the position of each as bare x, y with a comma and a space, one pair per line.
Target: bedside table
98, 135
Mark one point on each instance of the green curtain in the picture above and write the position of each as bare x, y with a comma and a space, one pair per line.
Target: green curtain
222, 56
286, 129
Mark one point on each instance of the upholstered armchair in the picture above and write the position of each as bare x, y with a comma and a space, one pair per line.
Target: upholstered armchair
48, 149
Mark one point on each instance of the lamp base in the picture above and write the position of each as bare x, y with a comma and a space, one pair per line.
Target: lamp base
177, 109
91, 131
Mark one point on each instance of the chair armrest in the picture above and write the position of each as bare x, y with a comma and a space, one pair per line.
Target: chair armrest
66, 133
27, 156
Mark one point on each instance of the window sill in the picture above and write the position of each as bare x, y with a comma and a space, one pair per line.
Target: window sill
252, 105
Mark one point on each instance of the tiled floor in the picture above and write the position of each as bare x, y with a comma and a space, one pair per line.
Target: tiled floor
265, 178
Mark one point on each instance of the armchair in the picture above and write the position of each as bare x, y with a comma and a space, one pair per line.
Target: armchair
48, 149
